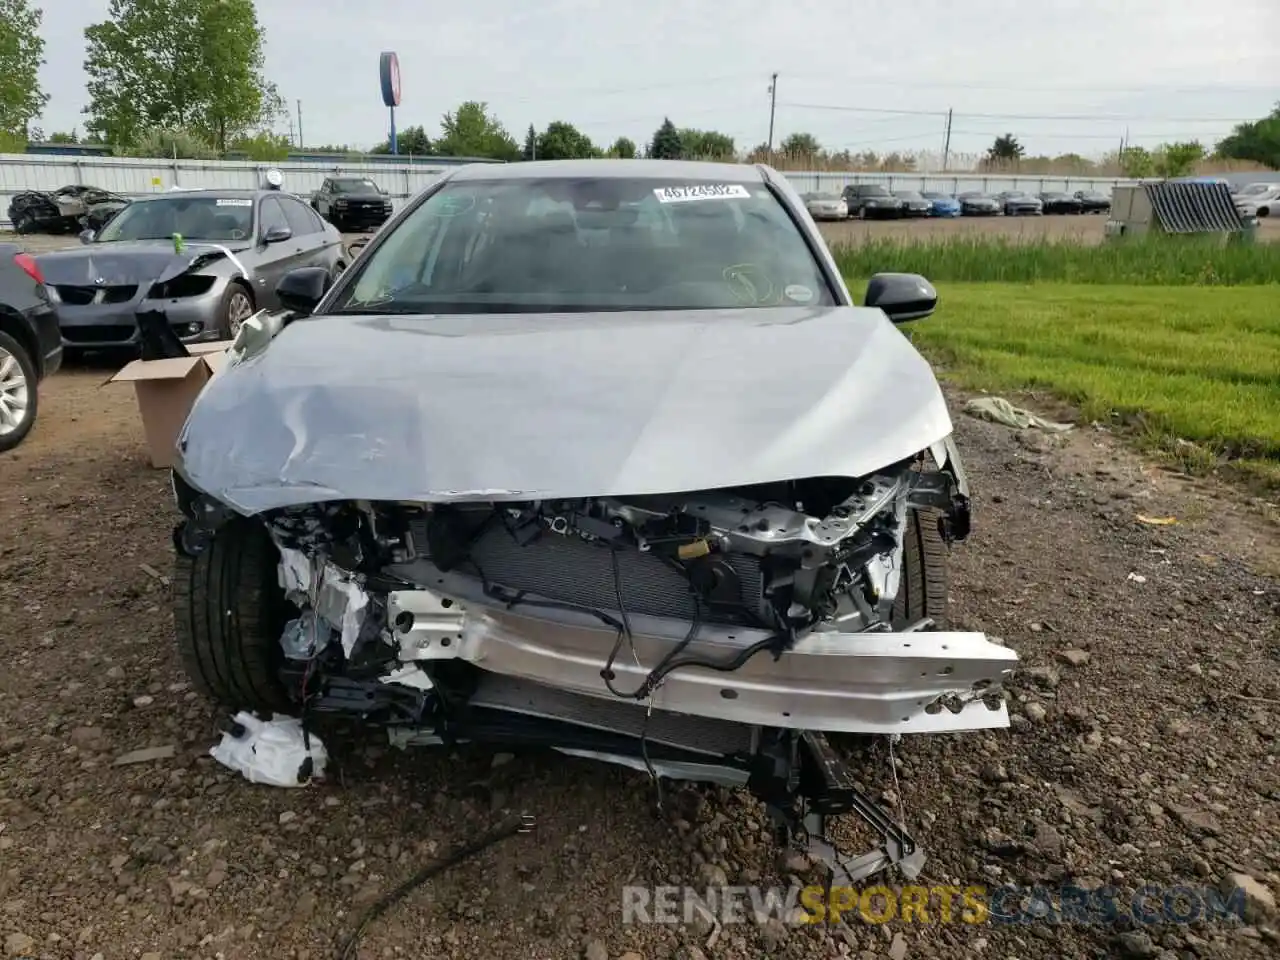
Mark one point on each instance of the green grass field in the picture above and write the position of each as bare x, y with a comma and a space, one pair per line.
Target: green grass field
1201, 364
1164, 261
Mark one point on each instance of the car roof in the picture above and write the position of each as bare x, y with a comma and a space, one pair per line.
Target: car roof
208, 193
693, 170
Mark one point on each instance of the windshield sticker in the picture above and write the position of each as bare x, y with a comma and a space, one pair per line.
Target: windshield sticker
702, 191
798, 293
235, 203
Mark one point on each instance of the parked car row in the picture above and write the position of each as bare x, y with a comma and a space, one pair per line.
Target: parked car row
872, 201
202, 261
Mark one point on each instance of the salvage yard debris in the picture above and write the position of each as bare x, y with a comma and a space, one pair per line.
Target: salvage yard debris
277, 752
1000, 410
64, 210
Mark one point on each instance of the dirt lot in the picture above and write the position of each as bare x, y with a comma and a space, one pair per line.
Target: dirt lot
1147, 755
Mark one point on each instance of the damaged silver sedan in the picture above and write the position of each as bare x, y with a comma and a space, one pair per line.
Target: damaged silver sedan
598, 456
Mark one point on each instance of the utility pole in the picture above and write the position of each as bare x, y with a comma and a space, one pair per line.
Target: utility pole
299, 102
946, 143
773, 104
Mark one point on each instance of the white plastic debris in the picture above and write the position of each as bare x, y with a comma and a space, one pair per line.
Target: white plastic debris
295, 571
410, 675
342, 603
1000, 410
274, 752
338, 601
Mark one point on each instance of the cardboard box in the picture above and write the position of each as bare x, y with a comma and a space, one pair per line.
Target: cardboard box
203, 349
166, 389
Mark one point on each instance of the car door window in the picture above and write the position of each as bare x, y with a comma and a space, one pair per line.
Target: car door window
298, 217
272, 216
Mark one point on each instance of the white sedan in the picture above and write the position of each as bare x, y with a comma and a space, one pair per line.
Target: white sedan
1258, 199
826, 206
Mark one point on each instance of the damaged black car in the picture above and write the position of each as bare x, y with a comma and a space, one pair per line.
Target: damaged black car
69, 209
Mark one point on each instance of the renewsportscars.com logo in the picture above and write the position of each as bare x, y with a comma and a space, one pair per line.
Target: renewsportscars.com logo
945, 904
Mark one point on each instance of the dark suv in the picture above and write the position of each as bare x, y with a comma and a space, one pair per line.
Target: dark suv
352, 203
868, 201
30, 344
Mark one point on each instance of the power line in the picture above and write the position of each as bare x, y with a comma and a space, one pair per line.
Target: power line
844, 109
923, 135
1019, 86
1075, 136
1103, 117
657, 115
1083, 118
521, 96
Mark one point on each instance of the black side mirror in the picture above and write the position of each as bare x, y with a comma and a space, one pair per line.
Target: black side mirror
902, 296
301, 289
276, 235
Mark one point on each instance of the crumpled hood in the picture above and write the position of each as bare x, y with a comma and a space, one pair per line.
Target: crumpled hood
133, 262
515, 407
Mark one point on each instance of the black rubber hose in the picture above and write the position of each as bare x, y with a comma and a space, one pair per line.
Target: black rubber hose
507, 828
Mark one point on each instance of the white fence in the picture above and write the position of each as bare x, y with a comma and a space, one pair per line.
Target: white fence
133, 177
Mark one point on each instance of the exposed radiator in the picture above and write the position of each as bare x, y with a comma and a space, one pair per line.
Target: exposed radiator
572, 570
696, 734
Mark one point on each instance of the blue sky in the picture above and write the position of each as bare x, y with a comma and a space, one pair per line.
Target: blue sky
1066, 75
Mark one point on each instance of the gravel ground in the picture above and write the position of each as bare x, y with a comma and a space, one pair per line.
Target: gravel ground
1143, 748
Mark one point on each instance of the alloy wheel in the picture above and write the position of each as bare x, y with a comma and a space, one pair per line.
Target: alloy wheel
239, 309
14, 393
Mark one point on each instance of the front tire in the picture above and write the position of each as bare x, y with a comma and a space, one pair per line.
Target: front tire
228, 613
922, 591
235, 308
18, 394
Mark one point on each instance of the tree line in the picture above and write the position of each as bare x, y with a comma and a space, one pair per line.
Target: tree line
1167, 160
186, 79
